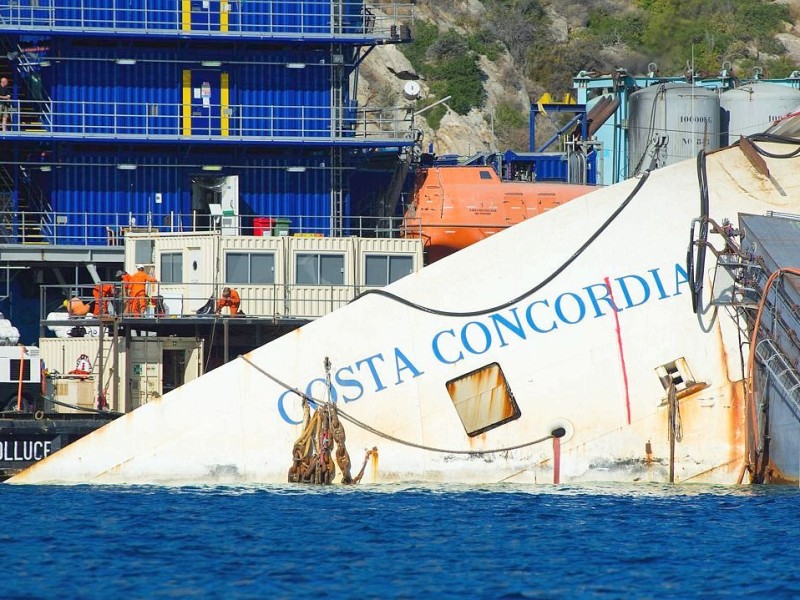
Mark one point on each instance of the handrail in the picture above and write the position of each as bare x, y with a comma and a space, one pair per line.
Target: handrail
306, 18
110, 229
28, 67
277, 301
217, 121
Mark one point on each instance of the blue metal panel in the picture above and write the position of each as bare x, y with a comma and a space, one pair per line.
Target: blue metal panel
353, 17
205, 15
288, 17
102, 194
106, 97
67, 15
164, 15
316, 17
286, 95
39, 12
258, 15
276, 100
291, 17
266, 99
98, 15
128, 15
551, 168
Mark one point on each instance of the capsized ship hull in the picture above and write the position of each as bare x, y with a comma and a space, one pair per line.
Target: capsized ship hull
766, 297
586, 343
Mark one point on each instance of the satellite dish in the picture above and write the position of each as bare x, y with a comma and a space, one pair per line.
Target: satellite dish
411, 90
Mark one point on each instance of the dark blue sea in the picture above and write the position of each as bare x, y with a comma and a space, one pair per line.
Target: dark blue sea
608, 541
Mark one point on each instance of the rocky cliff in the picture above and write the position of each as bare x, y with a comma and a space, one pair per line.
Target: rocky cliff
385, 71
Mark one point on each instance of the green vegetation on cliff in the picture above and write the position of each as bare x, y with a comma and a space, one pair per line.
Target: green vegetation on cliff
600, 35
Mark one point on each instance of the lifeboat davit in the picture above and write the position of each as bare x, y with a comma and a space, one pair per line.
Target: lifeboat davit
455, 206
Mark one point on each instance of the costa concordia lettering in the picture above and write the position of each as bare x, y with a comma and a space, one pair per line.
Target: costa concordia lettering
376, 371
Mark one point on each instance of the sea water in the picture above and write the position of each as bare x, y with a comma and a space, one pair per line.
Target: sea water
400, 541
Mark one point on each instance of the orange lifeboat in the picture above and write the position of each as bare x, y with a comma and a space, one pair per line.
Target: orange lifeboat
453, 207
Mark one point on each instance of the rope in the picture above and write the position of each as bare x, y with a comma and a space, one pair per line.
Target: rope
675, 425
211, 341
385, 435
81, 408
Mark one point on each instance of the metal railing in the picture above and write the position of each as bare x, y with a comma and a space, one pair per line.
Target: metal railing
128, 120
301, 18
66, 306
29, 66
93, 228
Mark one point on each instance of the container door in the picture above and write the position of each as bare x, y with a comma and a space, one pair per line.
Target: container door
196, 280
183, 361
174, 368
229, 199
146, 375
205, 107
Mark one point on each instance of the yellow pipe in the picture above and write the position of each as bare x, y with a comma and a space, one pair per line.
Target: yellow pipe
224, 102
223, 16
187, 102
186, 15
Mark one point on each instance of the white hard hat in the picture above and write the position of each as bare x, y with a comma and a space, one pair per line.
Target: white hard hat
140, 266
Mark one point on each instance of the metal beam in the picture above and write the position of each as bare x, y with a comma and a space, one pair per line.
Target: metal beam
16, 253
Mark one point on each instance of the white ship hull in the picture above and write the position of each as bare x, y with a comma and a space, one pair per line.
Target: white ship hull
569, 358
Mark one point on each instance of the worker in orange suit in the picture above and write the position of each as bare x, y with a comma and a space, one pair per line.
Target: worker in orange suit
230, 298
138, 290
124, 292
76, 307
102, 292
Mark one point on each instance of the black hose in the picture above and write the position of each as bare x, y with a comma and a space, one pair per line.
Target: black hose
533, 290
695, 265
777, 139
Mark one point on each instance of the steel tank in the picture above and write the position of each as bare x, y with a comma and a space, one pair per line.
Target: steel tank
752, 108
671, 122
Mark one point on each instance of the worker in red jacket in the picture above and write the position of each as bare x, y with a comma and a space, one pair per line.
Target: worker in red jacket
230, 298
102, 292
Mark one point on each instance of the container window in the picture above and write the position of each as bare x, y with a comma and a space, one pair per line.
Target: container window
383, 269
172, 267
483, 399
143, 252
250, 268
319, 269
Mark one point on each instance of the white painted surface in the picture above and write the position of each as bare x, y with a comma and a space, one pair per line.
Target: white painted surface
226, 425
